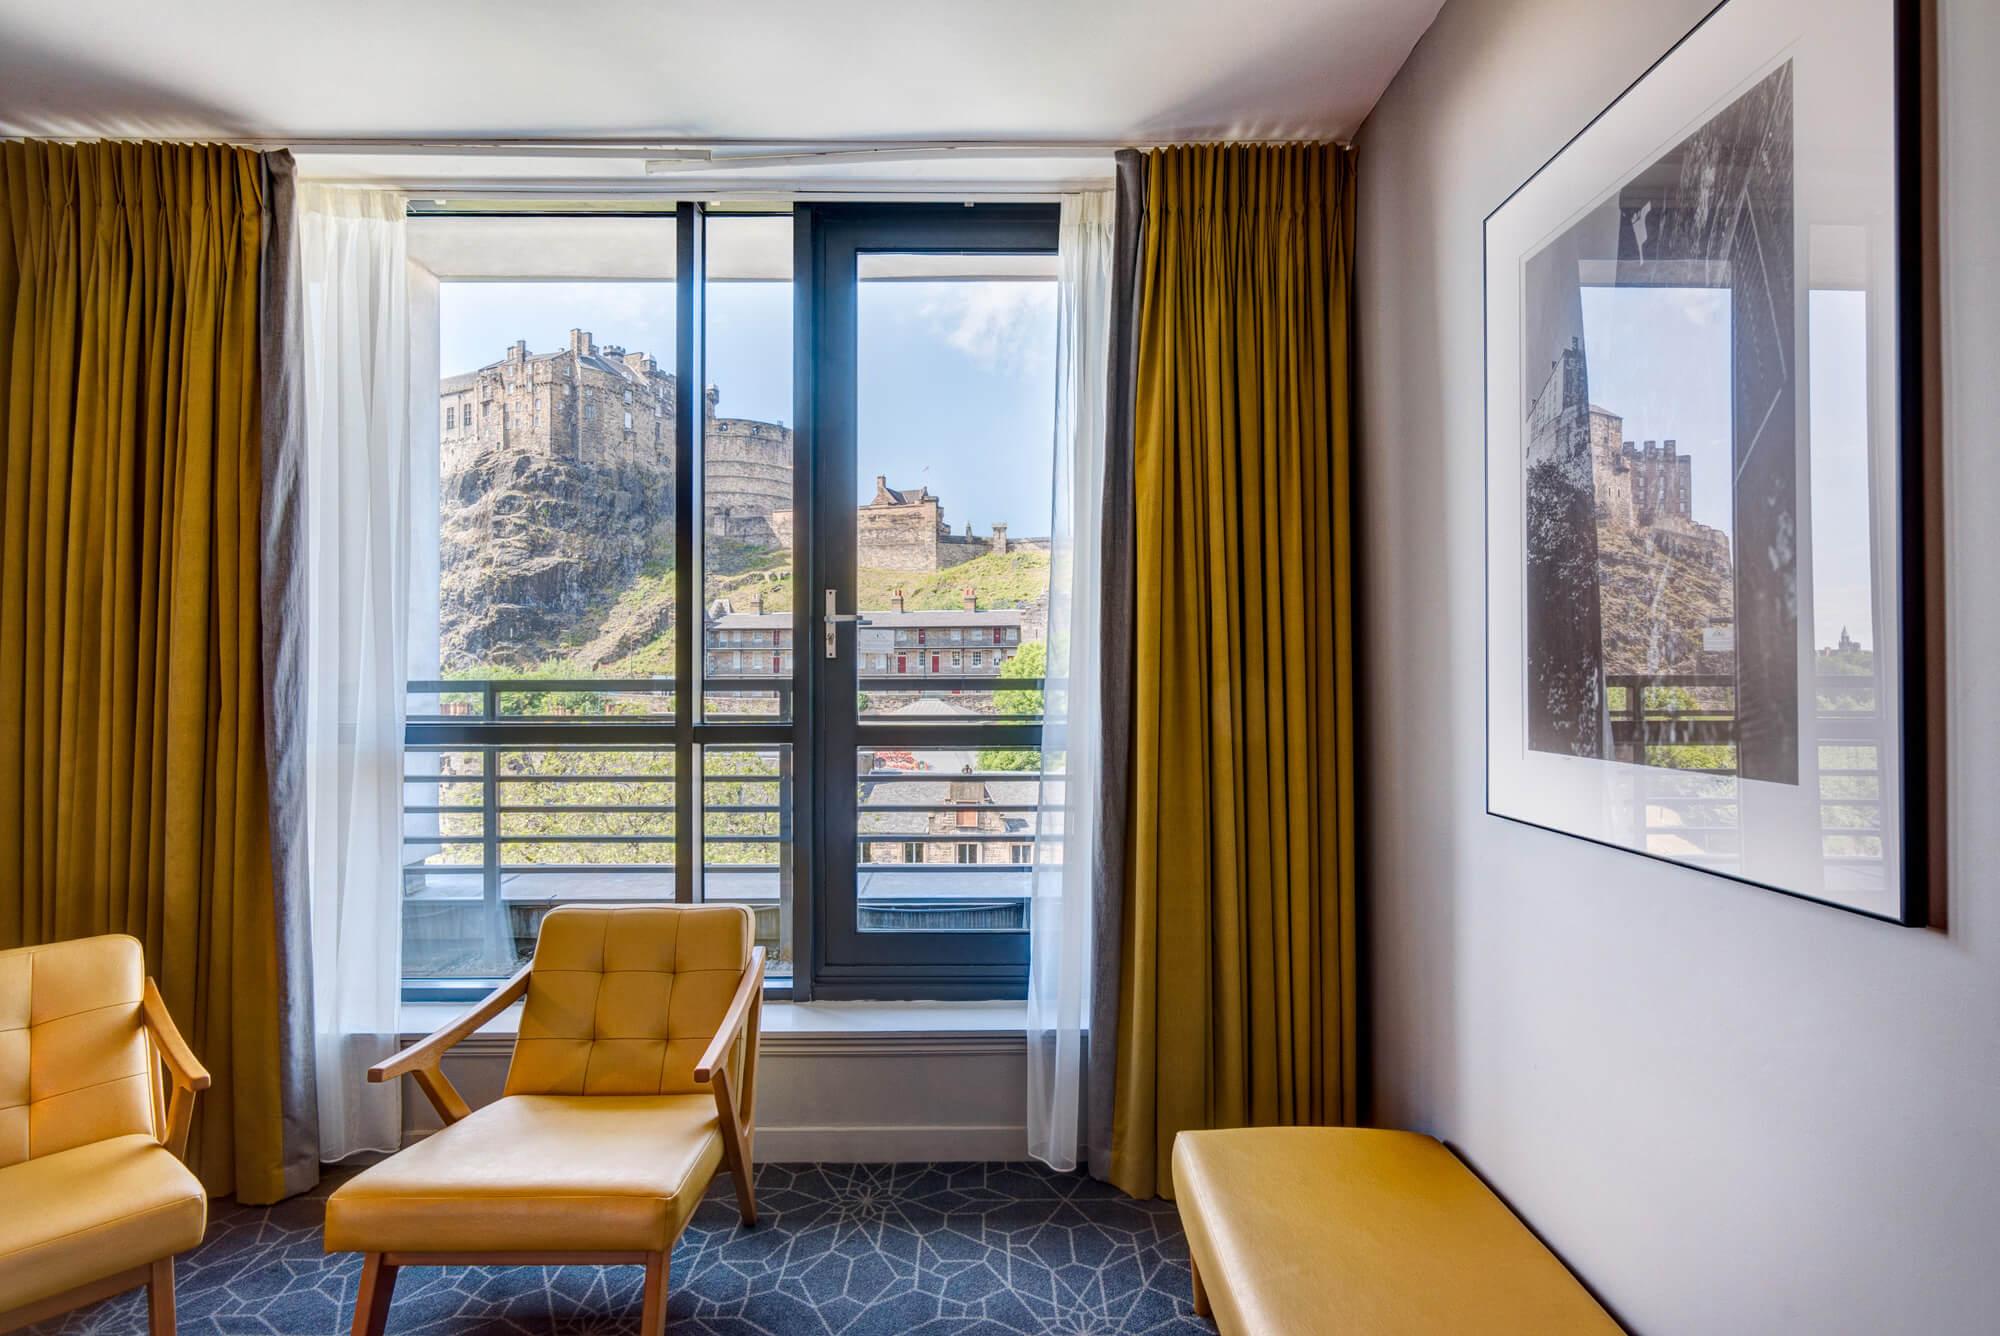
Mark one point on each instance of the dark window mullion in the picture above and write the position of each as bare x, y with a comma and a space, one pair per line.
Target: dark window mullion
690, 256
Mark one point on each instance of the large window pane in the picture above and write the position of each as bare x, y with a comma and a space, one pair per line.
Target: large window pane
747, 469
542, 648
956, 365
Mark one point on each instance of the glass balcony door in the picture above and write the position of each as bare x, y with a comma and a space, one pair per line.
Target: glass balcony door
933, 360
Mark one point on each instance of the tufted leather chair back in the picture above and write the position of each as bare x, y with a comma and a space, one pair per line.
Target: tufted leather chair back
622, 1000
75, 1064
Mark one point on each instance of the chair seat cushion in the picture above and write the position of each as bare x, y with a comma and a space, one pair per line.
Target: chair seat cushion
1298, 1231
538, 1173
92, 1211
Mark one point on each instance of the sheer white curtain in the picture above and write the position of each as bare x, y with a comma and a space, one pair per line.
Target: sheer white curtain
1059, 924
357, 531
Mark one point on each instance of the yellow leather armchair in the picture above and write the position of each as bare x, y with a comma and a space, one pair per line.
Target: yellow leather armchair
94, 1199
634, 1078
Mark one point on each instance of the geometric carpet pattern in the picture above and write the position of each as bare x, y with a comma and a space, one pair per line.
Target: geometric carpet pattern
839, 1250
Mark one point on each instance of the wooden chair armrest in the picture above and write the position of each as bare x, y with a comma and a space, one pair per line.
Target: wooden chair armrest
428, 1051
716, 1058
188, 1072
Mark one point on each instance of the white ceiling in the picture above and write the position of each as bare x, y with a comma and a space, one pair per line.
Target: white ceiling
804, 72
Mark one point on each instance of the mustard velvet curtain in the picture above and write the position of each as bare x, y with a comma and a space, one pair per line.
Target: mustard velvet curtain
1237, 986
132, 771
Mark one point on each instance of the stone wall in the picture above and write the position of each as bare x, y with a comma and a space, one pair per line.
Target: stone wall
583, 404
746, 477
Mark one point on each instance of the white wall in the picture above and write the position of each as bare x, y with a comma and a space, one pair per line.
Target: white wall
1728, 1110
869, 1095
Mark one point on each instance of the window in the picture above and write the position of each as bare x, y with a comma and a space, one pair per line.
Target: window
1021, 853
561, 751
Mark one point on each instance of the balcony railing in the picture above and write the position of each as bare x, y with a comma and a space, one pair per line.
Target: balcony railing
1692, 804
521, 794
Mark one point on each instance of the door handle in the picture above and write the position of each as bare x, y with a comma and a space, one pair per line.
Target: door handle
832, 621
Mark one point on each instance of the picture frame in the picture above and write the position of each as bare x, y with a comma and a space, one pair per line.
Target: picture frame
1714, 565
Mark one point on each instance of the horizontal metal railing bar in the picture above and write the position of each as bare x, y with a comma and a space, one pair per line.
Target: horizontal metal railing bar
880, 734
506, 837
477, 685
959, 837
865, 808
531, 735
942, 776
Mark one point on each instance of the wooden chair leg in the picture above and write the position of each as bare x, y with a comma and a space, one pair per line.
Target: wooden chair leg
160, 1298
1201, 1307
371, 1300
746, 1195
653, 1317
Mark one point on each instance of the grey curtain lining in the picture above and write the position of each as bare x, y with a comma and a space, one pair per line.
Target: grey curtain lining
281, 527
1115, 664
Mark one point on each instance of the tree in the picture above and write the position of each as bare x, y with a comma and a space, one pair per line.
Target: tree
1031, 660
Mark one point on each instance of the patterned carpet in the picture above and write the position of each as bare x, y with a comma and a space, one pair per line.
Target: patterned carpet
842, 1250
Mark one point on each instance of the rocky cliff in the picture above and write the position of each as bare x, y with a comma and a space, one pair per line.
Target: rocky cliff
535, 553
1658, 590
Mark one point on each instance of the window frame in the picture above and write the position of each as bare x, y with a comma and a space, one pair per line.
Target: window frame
848, 962
969, 967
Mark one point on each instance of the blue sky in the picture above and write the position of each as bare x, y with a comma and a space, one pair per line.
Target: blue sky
1660, 358
957, 387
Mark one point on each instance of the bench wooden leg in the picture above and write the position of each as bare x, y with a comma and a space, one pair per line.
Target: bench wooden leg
1201, 1308
653, 1317
371, 1300
160, 1298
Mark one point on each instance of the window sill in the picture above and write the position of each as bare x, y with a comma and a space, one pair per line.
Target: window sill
816, 1029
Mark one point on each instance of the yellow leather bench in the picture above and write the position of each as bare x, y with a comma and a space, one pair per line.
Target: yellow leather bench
1295, 1231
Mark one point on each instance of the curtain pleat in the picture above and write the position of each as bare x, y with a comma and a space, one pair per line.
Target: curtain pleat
1114, 660
281, 558
132, 766
1237, 988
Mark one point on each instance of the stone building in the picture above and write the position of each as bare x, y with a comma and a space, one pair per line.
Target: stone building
971, 822
1638, 487
607, 406
583, 403
892, 644
904, 529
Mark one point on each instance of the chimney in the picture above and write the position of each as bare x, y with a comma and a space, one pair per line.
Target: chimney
971, 597
896, 601
757, 601
519, 352
881, 490
580, 343
1670, 447
999, 543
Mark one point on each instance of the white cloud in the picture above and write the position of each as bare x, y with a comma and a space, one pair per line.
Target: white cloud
1003, 326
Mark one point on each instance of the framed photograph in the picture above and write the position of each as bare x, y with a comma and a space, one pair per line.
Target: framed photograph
1712, 560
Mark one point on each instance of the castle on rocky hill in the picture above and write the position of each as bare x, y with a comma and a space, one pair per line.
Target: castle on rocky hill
606, 407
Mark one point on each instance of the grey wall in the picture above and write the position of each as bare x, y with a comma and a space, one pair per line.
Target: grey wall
1729, 1111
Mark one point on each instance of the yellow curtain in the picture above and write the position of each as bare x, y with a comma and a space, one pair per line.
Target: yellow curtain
1236, 995
132, 776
